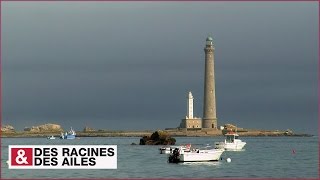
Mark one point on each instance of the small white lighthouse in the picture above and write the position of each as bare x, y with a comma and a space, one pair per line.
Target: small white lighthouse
190, 106
190, 122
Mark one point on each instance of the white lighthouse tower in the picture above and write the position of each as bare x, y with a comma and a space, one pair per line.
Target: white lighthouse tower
190, 122
190, 106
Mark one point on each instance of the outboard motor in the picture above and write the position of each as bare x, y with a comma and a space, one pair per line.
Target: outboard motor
174, 157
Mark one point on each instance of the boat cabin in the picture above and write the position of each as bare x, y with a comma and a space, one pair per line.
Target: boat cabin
230, 137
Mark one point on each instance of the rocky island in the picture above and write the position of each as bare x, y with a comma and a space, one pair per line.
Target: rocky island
49, 129
44, 128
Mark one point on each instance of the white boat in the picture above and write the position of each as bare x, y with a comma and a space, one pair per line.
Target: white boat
169, 149
68, 135
231, 143
198, 155
51, 137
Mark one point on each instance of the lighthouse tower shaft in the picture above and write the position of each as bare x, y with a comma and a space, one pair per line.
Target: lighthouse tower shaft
190, 106
209, 106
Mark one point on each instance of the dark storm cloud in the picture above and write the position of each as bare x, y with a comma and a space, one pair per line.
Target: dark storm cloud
129, 65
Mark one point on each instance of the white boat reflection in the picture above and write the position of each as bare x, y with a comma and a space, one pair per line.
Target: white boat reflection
209, 163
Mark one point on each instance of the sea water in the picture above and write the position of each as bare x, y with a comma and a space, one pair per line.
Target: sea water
263, 157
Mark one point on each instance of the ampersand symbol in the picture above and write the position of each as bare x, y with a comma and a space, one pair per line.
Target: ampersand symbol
20, 159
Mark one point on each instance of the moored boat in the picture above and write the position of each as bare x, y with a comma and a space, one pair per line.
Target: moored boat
68, 135
231, 142
51, 137
169, 149
198, 155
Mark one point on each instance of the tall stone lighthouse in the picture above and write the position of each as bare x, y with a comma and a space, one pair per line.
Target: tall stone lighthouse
209, 104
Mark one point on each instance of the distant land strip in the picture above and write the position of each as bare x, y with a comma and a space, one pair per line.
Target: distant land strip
172, 132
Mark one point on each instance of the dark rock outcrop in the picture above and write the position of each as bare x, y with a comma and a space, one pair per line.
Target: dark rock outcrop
158, 138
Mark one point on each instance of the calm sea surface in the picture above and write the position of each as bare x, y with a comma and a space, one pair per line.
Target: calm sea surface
263, 157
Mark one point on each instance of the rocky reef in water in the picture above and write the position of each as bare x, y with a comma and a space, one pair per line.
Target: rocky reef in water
158, 138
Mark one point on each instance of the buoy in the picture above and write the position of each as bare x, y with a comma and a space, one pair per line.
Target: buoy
228, 160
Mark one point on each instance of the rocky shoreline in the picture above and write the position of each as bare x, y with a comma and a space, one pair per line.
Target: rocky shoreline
46, 130
148, 133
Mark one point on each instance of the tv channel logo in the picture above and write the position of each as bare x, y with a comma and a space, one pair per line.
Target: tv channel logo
62, 157
21, 156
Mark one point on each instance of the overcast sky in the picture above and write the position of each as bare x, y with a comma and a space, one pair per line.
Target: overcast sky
129, 65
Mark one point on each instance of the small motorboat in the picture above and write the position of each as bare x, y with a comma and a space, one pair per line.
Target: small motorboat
197, 155
169, 149
231, 143
51, 137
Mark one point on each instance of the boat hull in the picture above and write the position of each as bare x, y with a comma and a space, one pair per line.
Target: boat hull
70, 137
169, 150
201, 156
230, 146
